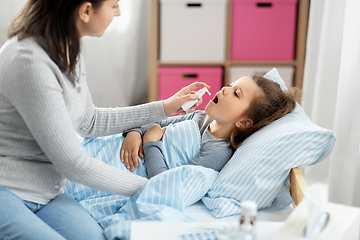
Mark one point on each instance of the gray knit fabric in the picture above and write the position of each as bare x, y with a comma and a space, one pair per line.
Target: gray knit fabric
40, 113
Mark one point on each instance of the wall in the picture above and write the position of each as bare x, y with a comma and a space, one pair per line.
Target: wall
8, 9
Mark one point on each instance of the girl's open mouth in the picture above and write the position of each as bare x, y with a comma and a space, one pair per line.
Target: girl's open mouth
215, 99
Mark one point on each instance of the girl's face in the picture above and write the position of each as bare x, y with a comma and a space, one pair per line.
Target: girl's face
230, 103
99, 19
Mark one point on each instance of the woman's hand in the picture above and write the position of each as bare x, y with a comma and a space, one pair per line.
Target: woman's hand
173, 104
155, 133
131, 148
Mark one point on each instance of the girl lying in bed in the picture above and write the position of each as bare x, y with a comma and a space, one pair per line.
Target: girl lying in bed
236, 112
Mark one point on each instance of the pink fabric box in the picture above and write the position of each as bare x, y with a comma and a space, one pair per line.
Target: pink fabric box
172, 79
263, 29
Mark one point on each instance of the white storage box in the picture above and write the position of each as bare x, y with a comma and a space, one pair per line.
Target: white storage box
192, 31
286, 72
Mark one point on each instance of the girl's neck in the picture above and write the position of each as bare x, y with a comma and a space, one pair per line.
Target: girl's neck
219, 131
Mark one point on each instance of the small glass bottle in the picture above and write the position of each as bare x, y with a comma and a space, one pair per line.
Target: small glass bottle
247, 224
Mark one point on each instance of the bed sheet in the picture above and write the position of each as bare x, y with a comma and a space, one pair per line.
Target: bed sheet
198, 231
200, 213
267, 225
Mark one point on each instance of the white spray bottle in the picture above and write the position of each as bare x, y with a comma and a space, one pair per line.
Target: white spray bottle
191, 103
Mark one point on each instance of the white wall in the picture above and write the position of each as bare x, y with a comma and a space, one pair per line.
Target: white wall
8, 9
116, 63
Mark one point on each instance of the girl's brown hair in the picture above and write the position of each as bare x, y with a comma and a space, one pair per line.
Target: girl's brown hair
266, 108
54, 23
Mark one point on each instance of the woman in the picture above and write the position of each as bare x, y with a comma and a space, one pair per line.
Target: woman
44, 102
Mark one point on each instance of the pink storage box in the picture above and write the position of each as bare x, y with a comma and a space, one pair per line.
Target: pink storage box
263, 30
172, 79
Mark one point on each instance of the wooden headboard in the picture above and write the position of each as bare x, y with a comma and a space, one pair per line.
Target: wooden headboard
297, 185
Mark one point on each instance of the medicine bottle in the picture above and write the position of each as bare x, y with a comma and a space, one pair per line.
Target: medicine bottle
247, 224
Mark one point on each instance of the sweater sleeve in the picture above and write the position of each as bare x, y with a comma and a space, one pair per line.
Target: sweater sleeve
163, 123
107, 121
32, 87
154, 158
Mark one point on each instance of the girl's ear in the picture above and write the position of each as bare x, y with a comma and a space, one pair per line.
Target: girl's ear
85, 11
244, 123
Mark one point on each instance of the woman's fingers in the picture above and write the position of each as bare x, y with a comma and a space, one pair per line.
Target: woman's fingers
173, 104
195, 85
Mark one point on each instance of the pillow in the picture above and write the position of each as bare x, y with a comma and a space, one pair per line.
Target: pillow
259, 169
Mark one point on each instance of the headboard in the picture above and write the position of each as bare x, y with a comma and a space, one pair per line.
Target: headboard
297, 185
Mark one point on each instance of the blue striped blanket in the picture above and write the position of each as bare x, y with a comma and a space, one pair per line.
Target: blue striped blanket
163, 198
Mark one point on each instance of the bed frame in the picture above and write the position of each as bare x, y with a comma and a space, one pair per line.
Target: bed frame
297, 185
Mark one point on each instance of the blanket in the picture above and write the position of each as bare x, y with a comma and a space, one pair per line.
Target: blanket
163, 198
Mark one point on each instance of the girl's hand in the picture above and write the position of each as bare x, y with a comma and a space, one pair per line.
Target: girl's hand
131, 148
155, 133
173, 104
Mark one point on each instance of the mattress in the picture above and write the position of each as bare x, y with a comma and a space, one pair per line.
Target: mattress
268, 224
199, 212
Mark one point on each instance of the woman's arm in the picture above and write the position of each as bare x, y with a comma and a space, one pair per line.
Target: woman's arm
36, 94
107, 121
164, 123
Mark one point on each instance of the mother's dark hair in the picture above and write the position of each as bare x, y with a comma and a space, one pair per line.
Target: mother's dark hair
53, 22
266, 108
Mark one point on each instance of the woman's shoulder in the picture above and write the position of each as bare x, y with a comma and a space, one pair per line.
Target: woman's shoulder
24, 51
15, 44
15, 54
24, 62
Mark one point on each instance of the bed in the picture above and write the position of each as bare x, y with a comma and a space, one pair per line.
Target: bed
199, 212
268, 222
265, 169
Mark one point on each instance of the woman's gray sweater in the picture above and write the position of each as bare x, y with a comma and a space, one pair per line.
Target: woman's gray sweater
41, 110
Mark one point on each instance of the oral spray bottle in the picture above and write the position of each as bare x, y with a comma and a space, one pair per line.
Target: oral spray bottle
191, 103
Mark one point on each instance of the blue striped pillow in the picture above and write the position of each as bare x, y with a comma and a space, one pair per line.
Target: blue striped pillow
259, 169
